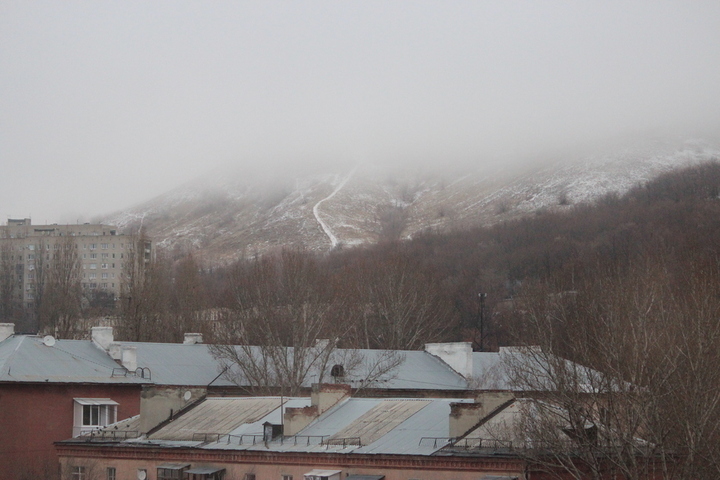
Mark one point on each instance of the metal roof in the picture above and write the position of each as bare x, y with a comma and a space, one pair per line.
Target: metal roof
194, 365
25, 358
220, 415
379, 426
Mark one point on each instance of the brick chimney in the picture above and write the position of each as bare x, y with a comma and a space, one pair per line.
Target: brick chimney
465, 416
7, 330
323, 397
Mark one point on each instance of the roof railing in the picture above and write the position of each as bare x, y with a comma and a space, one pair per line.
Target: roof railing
476, 443
442, 441
344, 442
96, 435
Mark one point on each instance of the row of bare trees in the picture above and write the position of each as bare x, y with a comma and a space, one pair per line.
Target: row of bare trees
642, 399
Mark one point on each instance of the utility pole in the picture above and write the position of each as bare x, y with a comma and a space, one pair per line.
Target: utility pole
481, 320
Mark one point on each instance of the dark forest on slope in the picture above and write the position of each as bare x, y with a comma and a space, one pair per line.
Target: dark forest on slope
401, 294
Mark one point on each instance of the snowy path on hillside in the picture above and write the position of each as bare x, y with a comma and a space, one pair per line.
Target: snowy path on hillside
316, 210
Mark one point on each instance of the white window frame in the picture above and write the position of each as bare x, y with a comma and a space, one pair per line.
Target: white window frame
101, 412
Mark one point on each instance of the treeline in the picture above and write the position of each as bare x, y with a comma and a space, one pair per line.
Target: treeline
401, 294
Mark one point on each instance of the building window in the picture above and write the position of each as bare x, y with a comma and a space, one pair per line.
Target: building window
249, 476
92, 414
93, 255
78, 473
172, 471
93, 266
104, 246
205, 473
286, 477
104, 255
93, 246
104, 275
31, 247
104, 265
111, 473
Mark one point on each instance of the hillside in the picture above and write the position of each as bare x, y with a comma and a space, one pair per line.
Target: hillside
229, 214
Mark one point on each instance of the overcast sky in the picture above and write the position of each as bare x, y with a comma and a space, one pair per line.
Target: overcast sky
106, 104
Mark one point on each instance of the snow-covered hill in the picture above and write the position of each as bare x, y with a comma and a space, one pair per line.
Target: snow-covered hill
230, 214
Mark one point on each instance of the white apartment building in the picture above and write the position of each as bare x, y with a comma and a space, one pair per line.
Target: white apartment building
101, 250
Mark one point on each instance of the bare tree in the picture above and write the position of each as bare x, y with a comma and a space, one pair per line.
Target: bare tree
402, 306
642, 395
142, 299
61, 299
284, 326
8, 303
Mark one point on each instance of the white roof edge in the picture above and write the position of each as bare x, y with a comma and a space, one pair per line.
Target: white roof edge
95, 401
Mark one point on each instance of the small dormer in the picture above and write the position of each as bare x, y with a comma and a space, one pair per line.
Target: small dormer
271, 431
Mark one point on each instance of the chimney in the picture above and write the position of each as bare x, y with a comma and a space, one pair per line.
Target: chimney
7, 330
129, 358
102, 336
323, 397
457, 355
465, 416
159, 403
192, 338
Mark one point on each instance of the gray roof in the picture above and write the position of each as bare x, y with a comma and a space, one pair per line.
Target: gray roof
353, 426
194, 365
25, 358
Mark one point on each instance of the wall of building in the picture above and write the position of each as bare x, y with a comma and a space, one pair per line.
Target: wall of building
101, 249
33, 416
272, 466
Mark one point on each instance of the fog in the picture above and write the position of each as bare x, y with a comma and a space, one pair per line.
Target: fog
106, 104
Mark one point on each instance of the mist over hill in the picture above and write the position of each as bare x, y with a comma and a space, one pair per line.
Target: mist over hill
229, 214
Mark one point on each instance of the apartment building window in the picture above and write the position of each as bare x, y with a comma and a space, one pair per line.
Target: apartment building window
31, 247
93, 285
93, 246
205, 473
172, 471
249, 476
104, 246
286, 477
104, 265
93, 255
104, 275
84, 255
113, 255
104, 255
31, 256
78, 473
93, 413
93, 276
111, 473
113, 265
93, 266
